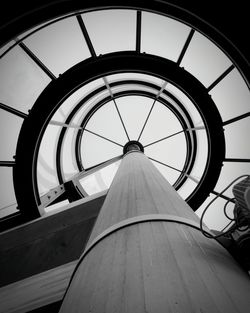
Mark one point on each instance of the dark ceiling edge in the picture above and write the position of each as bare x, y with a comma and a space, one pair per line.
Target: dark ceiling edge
229, 19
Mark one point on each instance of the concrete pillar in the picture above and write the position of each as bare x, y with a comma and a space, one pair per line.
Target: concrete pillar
146, 254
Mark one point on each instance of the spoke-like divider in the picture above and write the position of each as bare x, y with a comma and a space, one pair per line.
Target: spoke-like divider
117, 109
172, 135
86, 35
93, 133
151, 109
185, 47
12, 110
236, 119
7, 163
219, 79
176, 169
56, 123
37, 61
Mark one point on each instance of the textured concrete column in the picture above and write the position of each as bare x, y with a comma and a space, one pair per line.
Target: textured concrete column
152, 265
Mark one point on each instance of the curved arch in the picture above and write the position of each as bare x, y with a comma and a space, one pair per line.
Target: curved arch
57, 91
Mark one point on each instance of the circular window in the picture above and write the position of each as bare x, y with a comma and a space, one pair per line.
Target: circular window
74, 94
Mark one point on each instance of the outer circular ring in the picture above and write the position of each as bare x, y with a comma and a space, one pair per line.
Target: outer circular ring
56, 92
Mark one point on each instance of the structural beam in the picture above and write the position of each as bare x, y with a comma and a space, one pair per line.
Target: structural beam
36, 291
145, 253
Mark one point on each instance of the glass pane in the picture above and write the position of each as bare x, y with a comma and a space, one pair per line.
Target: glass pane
214, 217
163, 36
229, 172
69, 167
231, 96
134, 111
111, 30
101, 180
188, 104
68, 105
204, 60
169, 174
161, 123
106, 122
171, 151
46, 164
202, 154
10, 125
237, 139
5, 47
187, 188
7, 196
95, 150
59, 46
21, 80
135, 76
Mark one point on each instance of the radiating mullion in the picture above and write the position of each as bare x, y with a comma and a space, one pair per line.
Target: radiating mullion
151, 109
7, 163
236, 119
138, 31
12, 110
105, 138
172, 135
113, 99
37, 61
175, 169
185, 47
236, 160
86, 35
219, 79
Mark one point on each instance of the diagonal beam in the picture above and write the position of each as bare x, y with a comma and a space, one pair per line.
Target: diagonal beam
219, 79
138, 32
185, 47
236, 119
7, 163
37, 61
12, 110
86, 35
